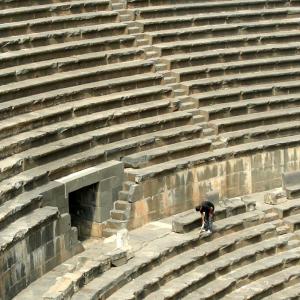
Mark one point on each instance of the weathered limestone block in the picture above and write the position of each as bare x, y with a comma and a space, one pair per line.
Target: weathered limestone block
274, 197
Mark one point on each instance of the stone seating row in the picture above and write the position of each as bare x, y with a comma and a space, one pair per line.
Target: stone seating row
235, 41
77, 77
93, 89
267, 285
233, 54
257, 270
18, 3
190, 263
139, 175
241, 80
186, 259
67, 112
57, 23
260, 133
37, 10
150, 8
31, 178
137, 135
248, 106
255, 119
288, 293
65, 50
157, 155
65, 64
71, 34
239, 67
208, 31
13, 43
211, 18
70, 281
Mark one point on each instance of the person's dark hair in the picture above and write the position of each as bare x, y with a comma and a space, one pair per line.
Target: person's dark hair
198, 207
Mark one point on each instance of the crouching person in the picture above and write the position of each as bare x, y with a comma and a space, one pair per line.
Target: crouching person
207, 210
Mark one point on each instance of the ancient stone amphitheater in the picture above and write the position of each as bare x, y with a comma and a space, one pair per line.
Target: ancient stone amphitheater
123, 113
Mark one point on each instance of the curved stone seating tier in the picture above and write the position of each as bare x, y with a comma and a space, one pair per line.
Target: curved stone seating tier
57, 23
239, 67
143, 174
209, 43
65, 50
292, 291
60, 36
260, 133
267, 285
73, 163
193, 19
158, 5
255, 119
244, 79
49, 67
233, 54
50, 9
198, 32
78, 77
18, 3
190, 250
256, 270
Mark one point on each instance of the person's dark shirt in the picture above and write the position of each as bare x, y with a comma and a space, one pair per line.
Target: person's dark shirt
207, 207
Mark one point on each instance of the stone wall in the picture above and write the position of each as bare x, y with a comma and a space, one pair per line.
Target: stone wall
42, 242
172, 193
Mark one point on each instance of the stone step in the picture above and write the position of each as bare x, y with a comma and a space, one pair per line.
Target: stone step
190, 6
194, 18
266, 286
164, 249
198, 32
118, 215
241, 80
259, 133
290, 292
239, 67
81, 92
166, 153
13, 43
238, 108
293, 222
57, 23
107, 232
116, 224
66, 79
66, 64
121, 205
275, 38
28, 7
189, 262
133, 138
234, 279
65, 118
140, 175
256, 119
66, 50
83, 106
64, 166
232, 54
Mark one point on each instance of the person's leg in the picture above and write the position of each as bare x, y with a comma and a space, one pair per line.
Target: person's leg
206, 221
210, 223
